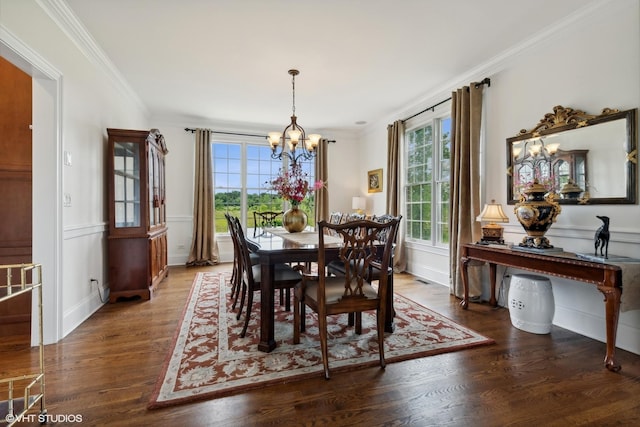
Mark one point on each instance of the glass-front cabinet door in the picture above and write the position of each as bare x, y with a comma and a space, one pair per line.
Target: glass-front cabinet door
126, 184
156, 186
154, 199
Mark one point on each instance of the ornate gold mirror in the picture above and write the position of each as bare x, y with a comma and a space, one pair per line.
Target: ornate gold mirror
584, 158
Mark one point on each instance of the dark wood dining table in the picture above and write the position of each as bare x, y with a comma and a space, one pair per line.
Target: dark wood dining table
278, 246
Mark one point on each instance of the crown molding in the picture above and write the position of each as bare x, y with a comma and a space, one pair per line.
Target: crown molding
503, 59
24, 57
63, 16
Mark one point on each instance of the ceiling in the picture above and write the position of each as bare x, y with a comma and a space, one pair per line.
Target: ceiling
226, 61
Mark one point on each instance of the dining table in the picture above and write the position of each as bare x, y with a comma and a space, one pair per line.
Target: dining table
275, 245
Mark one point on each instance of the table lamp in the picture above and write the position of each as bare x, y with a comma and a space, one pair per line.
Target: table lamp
359, 204
492, 232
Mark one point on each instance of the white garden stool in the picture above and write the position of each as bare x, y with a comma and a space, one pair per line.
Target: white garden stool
531, 303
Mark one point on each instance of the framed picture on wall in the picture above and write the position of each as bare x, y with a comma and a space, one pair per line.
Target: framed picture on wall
374, 181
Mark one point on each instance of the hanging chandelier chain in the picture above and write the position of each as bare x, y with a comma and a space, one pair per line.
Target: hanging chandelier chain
293, 73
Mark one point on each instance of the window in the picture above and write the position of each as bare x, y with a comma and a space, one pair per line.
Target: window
428, 149
241, 173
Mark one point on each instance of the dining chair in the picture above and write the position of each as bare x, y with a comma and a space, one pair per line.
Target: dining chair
236, 279
285, 276
264, 219
352, 292
336, 267
335, 218
235, 275
352, 217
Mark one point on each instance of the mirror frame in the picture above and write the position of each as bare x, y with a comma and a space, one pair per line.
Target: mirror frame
565, 119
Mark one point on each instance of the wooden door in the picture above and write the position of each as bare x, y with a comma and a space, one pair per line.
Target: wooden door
15, 188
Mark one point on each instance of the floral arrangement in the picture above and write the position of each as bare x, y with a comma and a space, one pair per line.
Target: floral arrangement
293, 185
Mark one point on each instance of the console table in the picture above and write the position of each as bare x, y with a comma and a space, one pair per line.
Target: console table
606, 277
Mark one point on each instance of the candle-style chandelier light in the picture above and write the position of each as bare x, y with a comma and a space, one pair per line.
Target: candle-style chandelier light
535, 159
299, 145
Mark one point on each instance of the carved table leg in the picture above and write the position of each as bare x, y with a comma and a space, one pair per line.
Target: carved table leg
465, 281
612, 309
492, 277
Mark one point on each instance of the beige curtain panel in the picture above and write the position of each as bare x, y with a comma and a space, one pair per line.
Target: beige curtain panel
466, 118
322, 174
204, 249
395, 132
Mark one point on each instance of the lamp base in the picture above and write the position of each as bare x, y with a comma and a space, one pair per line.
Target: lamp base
484, 241
491, 235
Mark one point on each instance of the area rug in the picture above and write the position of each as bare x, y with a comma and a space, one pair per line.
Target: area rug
208, 359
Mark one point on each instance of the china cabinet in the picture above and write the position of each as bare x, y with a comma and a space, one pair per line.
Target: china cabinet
137, 242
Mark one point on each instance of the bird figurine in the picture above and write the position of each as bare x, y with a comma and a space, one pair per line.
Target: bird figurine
602, 237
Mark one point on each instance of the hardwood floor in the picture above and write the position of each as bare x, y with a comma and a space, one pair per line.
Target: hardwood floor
105, 371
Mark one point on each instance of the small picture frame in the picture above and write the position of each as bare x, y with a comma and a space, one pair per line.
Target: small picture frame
374, 180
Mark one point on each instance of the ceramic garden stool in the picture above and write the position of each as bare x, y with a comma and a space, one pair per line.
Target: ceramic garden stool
531, 303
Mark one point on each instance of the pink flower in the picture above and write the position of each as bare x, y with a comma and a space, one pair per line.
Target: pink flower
293, 185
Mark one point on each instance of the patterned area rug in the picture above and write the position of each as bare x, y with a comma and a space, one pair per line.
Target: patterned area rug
209, 359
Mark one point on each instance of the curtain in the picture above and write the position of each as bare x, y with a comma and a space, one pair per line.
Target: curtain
395, 132
466, 119
321, 172
204, 248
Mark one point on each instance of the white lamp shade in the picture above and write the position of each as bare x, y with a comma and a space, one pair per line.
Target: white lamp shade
314, 140
552, 148
274, 138
534, 150
516, 151
492, 212
359, 203
294, 135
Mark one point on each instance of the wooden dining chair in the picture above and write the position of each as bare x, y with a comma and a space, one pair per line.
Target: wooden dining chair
335, 218
285, 276
352, 292
236, 279
235, 274
264, 219
337, 268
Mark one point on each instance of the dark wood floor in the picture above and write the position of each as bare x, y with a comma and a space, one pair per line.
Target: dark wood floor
106, 369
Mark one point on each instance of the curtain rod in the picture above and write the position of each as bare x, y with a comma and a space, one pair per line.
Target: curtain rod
228, 133
485, 81
330, 141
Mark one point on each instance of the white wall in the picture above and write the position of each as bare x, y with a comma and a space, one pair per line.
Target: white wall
588, 64
73, 105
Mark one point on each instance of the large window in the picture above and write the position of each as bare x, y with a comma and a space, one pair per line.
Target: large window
428, 149
241, 175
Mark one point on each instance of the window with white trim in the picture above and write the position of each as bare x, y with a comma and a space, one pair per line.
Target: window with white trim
427, 188
241, 175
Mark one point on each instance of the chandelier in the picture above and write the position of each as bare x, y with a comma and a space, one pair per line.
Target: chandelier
299, 145
535, 159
